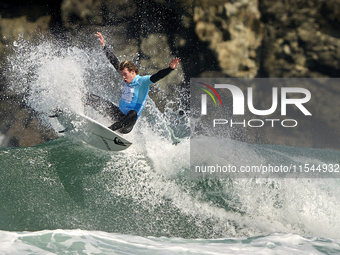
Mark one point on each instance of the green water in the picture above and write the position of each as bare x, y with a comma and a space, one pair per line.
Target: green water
145, 191
66, 184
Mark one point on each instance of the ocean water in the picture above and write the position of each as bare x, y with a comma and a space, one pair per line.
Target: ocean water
66, 197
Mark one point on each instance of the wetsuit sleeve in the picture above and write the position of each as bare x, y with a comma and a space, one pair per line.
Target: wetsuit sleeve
160, 74
112, 57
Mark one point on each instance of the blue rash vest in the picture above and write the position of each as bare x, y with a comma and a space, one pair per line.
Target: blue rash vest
135, 94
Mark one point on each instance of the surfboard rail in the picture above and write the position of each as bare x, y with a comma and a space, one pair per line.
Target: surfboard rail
91, 131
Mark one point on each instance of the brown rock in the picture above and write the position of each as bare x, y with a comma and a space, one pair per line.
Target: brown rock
81, 12
234, 33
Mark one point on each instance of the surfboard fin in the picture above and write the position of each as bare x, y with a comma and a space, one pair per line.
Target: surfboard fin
63, 131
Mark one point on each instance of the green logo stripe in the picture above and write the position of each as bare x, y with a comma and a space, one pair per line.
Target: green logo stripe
209, 95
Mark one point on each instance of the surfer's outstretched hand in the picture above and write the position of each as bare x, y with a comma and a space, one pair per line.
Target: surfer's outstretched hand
100, 38
174, 63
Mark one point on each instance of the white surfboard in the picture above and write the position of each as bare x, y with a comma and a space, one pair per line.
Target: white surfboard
91, 131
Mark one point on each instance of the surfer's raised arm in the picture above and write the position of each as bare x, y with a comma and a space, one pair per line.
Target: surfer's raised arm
100, 38
164, 72
115, 62
174, 63
112, 57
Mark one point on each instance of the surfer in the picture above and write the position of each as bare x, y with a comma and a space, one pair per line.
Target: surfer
135, 91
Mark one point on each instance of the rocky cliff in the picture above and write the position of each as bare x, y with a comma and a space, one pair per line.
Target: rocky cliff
236, 38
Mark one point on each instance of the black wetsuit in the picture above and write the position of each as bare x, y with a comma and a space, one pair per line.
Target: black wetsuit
124, 122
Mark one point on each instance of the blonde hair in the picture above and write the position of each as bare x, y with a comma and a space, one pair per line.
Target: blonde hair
129, 65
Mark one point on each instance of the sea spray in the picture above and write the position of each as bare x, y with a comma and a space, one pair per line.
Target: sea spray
51, 76
146, 190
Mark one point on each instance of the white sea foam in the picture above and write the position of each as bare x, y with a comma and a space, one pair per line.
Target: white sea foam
95, 242
155, 171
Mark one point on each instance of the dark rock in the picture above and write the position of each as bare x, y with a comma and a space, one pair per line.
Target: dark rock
266, 38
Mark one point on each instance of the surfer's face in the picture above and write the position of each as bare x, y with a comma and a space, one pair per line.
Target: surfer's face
127, 75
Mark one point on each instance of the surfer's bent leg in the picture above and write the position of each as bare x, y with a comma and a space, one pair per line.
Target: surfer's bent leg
103, 106
125, 124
